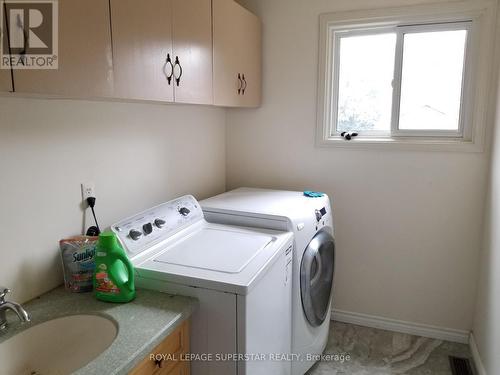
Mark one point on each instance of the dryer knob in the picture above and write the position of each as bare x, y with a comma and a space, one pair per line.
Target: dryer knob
184, 211
319, 215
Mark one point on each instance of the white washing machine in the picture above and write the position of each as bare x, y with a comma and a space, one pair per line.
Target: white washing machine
240, 276
310, 219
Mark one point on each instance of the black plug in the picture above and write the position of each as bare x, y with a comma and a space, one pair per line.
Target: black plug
91, 202
93, 230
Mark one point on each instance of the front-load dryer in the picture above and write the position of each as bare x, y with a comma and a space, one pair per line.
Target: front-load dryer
310, 219
240, 276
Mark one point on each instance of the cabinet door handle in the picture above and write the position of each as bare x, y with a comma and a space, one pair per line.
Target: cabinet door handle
168, 62
240, 83
177, 63
244, 84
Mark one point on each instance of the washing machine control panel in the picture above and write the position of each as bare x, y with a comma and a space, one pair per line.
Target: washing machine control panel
157, 224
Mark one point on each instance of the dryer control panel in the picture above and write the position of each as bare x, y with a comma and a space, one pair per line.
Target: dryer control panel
320, 213
141, 231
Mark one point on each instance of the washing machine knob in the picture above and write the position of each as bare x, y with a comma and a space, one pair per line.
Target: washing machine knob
159, 223
134, 234
147, 228
184, 211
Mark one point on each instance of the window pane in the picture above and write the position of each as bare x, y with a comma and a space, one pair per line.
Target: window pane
431, 86
365, 82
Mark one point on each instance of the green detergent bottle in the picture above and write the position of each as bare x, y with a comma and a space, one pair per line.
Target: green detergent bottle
114, 274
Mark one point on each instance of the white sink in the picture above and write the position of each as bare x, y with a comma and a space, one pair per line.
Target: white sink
57, 347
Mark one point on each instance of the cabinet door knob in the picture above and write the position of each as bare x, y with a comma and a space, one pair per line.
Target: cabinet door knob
244, 84
159, 363
169, 75
177, 63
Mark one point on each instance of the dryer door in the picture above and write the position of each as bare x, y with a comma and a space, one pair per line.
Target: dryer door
316, 277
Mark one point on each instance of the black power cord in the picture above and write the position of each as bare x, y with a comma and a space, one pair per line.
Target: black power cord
93, 230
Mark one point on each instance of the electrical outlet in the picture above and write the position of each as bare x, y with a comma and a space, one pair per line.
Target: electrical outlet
88, 190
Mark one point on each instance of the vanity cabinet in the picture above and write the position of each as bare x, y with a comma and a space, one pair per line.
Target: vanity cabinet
84, 56
176, 344
237, 55
162, 50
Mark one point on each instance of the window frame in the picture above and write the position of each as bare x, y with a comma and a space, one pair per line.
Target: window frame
479, 21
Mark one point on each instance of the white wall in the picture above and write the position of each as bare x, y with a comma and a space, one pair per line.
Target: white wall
486, 327
138, 155
408, 224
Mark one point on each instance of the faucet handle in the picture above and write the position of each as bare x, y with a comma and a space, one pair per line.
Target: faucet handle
3, 293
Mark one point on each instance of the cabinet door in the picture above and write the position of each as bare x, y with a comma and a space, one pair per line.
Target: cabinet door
252, 61
142, 43
5, 75
192, 45
180, 369
172, 349
237, 52
85, 56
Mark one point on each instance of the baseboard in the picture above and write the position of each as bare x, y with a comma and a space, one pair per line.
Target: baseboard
394, 325
475, 356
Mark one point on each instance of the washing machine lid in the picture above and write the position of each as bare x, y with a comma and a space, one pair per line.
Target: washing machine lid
213, 256
217, 249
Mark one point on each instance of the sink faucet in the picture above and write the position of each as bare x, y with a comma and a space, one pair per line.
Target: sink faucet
7, 305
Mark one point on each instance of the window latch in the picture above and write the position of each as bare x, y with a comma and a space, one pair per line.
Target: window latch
348, 135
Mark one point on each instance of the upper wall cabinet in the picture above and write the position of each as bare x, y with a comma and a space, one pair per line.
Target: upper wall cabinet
237, 55
84, 56
183, 51
162, 50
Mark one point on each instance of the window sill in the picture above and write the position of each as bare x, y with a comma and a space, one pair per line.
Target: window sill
400, 143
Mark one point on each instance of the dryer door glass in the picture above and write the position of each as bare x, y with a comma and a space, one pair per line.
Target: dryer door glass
316, 277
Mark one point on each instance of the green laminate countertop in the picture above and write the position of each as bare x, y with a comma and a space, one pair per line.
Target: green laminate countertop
142, 323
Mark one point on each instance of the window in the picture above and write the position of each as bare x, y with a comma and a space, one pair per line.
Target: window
365, 74
400, 80
431, 87
405, 81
